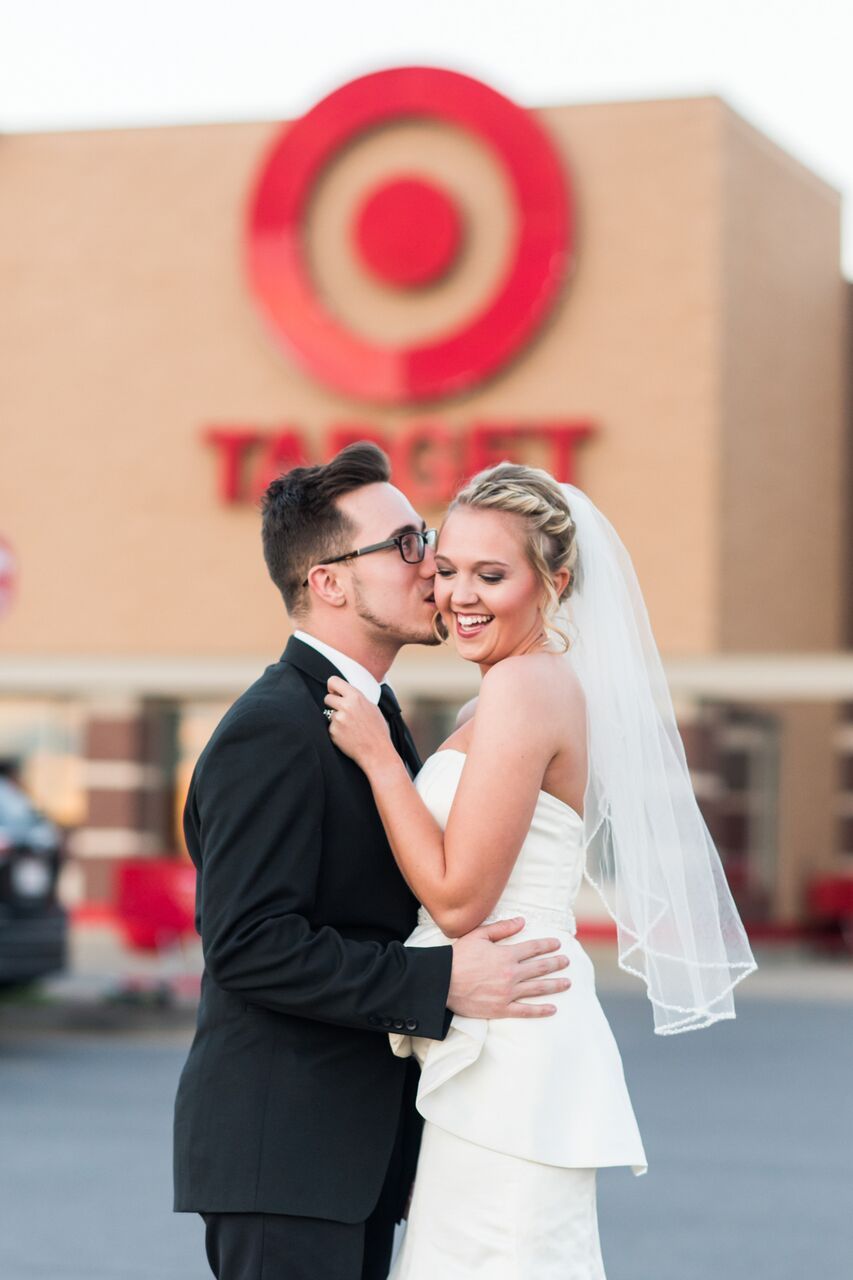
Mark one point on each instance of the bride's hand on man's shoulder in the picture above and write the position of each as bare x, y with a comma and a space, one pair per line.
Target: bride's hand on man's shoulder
356, 726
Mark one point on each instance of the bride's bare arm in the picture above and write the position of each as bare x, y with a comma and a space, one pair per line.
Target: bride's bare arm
459, 875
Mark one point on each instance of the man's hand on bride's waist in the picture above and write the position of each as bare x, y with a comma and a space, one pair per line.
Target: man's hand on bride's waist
488, 981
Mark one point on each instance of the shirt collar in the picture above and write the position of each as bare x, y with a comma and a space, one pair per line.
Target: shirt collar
358, 676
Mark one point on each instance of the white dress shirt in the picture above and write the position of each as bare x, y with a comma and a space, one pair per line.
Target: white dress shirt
358, 676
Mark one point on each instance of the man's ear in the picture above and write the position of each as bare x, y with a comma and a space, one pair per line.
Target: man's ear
327, 585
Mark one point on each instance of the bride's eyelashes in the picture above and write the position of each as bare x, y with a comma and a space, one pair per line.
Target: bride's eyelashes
484, 577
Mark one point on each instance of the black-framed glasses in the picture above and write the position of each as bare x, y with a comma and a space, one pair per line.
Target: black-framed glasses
411, 546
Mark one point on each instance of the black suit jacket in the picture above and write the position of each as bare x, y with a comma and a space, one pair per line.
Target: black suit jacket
290, 1098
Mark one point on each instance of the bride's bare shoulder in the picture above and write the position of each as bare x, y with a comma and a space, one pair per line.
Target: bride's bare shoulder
537, 699
533, 678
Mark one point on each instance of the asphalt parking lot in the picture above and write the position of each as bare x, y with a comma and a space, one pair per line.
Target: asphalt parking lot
748, 1128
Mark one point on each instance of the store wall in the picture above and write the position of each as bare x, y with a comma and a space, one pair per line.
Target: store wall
847, 573
783, 332
701, 333
129, 329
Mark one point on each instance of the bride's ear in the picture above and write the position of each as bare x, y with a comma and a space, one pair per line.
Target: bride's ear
562, 580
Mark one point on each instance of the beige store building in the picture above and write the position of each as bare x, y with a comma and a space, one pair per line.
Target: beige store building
692, 374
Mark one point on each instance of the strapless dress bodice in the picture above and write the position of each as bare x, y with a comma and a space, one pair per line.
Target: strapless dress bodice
548, 871
548, 1089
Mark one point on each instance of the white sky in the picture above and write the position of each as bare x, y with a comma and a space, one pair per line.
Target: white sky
786, 65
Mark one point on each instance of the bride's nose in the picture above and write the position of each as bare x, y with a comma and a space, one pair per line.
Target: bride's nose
464, 593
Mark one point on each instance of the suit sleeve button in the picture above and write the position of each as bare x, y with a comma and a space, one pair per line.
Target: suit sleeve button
386, 1022
411, 1024
373, 1020
398, 1024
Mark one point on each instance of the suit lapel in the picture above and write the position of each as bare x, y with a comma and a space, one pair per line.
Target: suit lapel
309, 660
312, 664
318, 668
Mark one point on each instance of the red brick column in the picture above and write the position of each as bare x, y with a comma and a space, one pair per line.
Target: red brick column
129, 750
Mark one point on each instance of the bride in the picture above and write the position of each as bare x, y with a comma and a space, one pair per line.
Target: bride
569, 764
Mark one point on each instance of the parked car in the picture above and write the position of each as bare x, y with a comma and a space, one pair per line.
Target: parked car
33, 925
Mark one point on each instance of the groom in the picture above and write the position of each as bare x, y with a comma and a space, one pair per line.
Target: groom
295, 1130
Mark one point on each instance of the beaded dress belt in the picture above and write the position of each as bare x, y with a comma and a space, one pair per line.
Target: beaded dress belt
564, 919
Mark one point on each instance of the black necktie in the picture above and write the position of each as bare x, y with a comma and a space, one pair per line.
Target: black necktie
400, 736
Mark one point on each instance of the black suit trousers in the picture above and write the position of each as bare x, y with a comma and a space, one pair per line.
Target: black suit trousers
275, 1246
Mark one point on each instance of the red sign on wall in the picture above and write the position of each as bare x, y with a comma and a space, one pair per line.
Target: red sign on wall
429, 460
408, 234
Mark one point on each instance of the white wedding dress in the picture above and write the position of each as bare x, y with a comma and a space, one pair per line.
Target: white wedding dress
519, 1113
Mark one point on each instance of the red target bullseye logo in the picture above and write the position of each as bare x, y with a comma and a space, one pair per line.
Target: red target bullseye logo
409, 232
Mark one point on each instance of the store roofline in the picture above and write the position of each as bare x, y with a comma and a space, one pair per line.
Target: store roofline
808, 677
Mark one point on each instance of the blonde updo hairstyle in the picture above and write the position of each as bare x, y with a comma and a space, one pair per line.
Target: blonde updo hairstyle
550, 543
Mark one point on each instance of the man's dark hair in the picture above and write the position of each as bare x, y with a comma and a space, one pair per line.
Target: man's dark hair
301, 522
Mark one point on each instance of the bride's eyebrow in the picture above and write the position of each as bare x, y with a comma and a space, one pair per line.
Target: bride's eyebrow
479, 563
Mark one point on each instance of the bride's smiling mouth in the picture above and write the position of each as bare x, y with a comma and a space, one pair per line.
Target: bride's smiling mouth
471, 624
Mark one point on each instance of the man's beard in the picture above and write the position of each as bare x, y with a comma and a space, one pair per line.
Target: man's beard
391, 628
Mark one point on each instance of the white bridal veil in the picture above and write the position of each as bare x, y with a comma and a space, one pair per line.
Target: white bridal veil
648, 850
